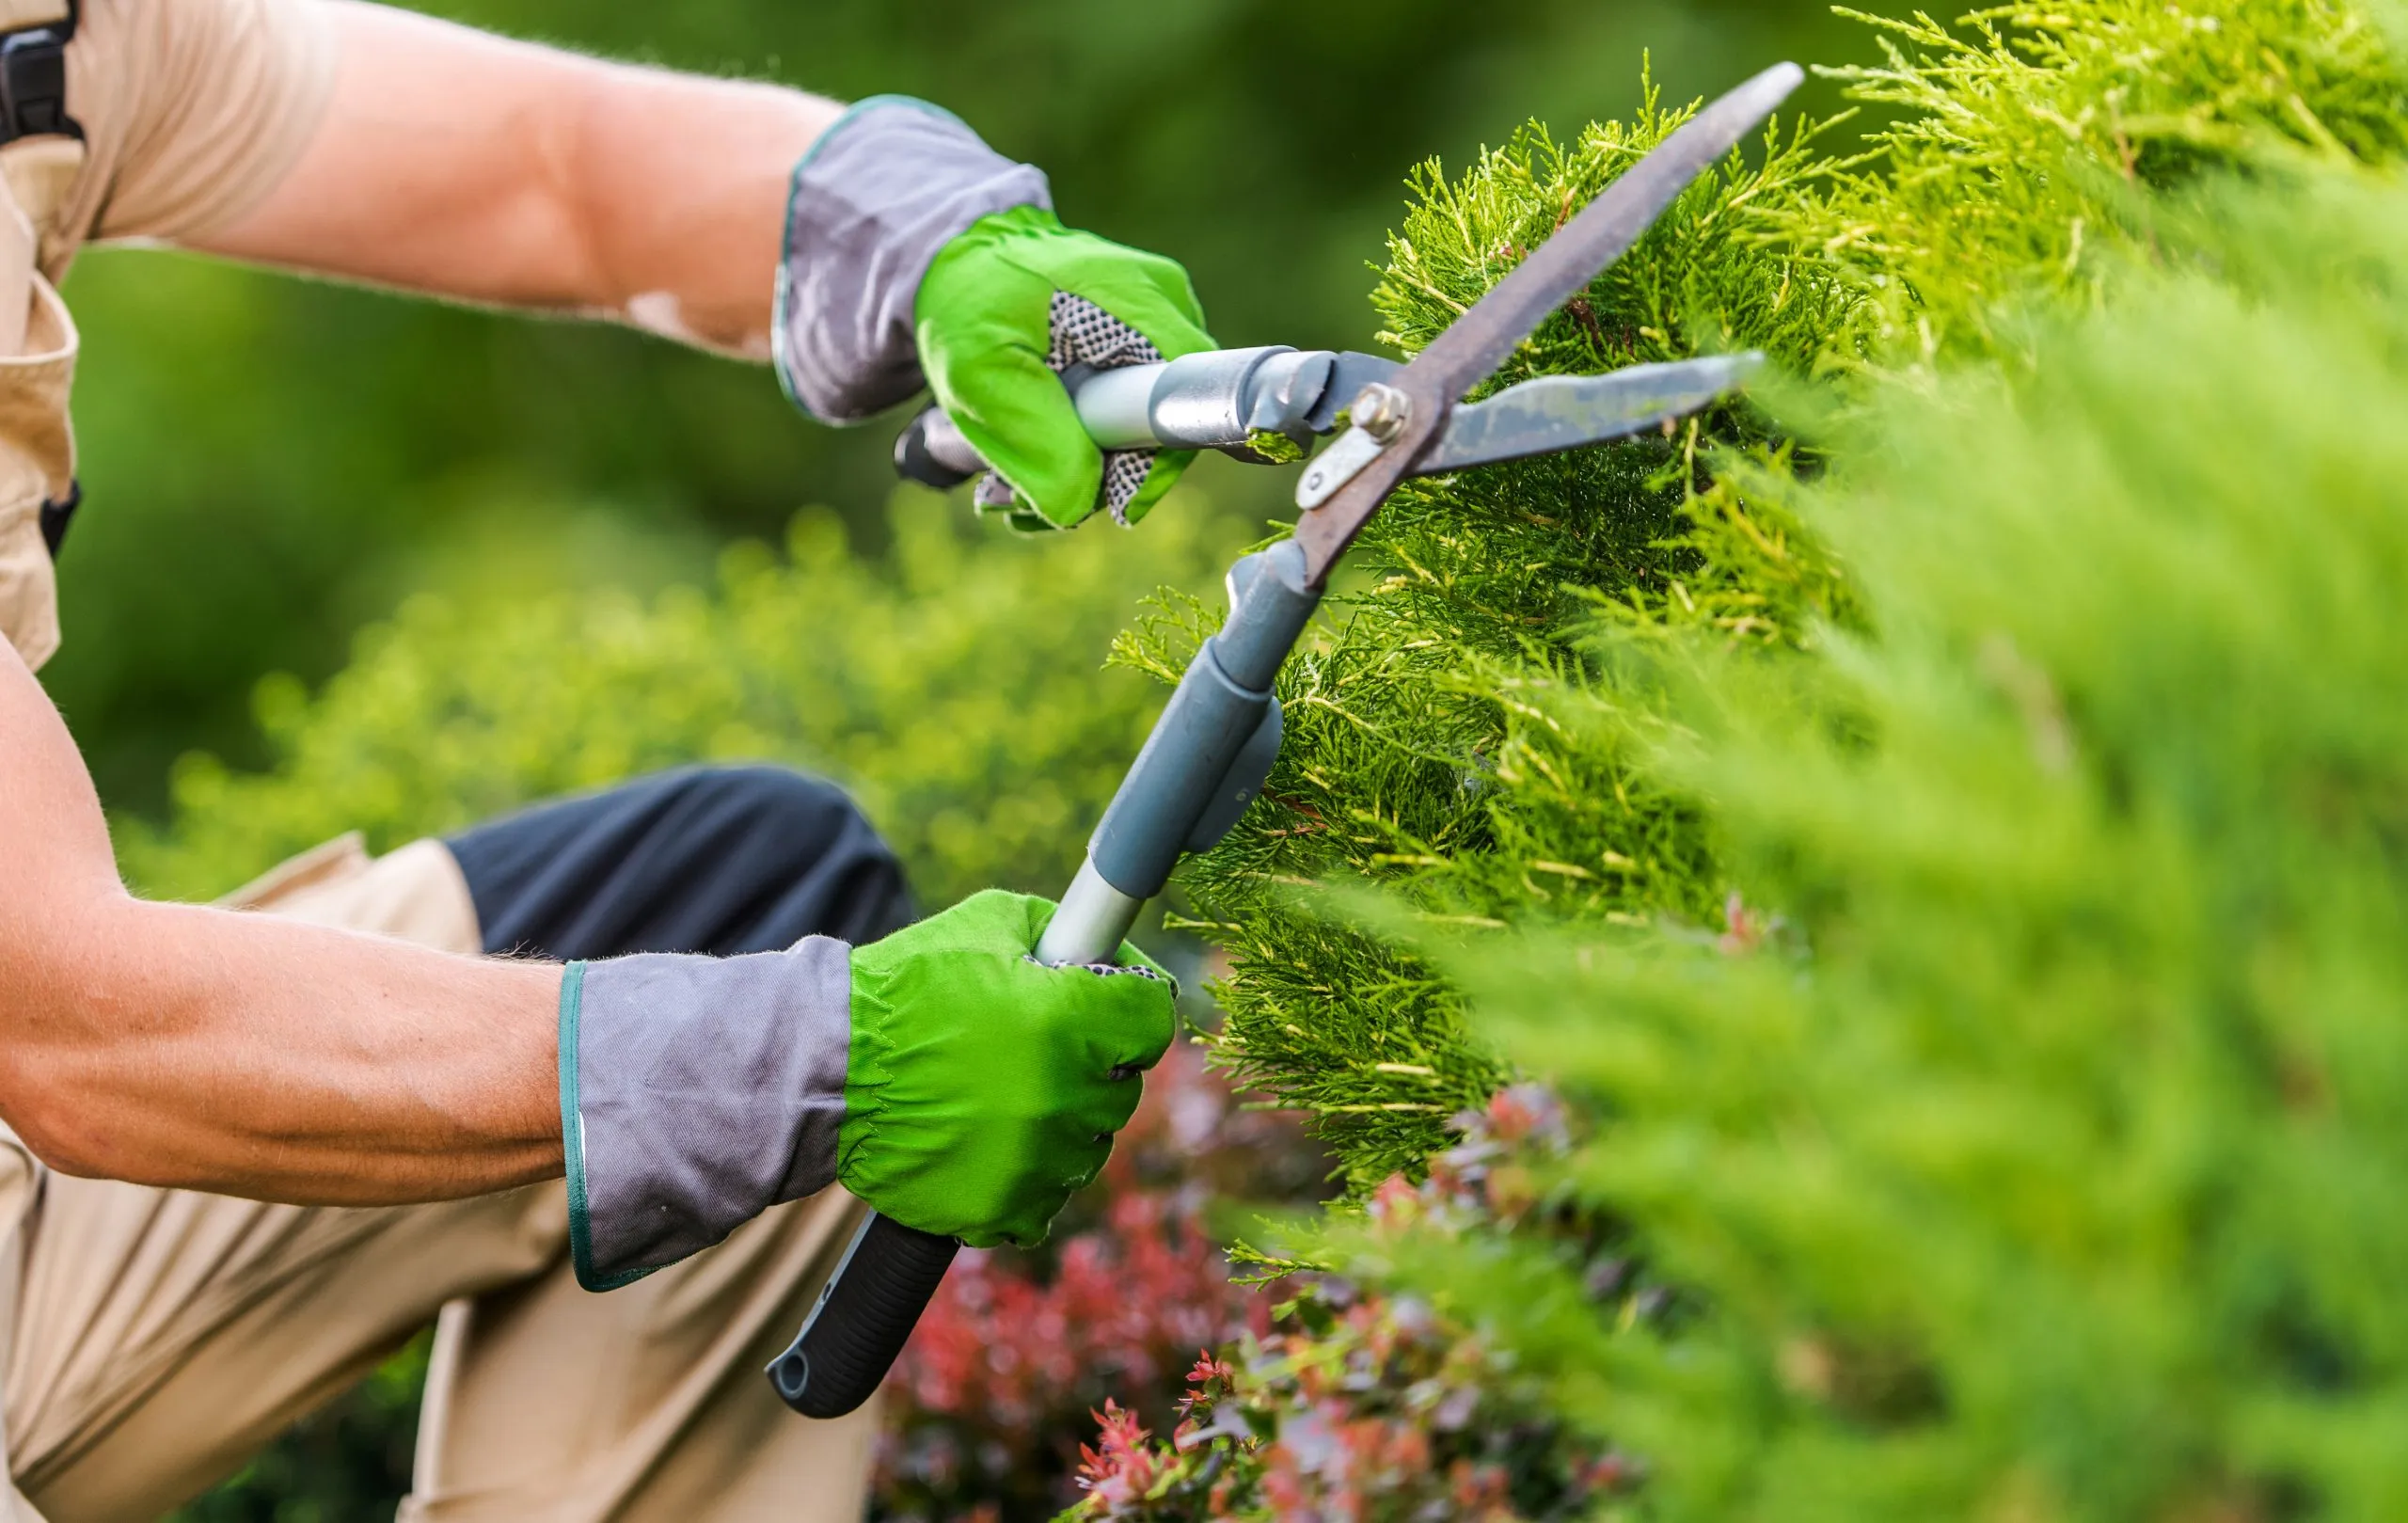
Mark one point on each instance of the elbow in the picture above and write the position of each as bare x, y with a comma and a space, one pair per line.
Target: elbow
70, 1052
47, 1119
67, 1106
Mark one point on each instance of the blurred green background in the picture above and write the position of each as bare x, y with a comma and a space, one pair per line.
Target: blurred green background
269, 463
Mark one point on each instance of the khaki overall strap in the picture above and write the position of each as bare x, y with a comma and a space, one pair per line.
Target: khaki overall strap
41, 146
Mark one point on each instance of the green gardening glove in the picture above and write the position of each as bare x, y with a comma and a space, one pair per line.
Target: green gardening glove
984, 1088
1013, 301
915, 255
942, 1074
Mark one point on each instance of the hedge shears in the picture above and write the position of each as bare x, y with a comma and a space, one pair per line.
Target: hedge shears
1210, 752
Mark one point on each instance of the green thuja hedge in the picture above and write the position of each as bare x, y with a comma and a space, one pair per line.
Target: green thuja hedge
2000, 1091
2039, 1154
1421, 750
1457, 736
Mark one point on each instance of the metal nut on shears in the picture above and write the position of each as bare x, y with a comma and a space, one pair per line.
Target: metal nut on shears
1382, 411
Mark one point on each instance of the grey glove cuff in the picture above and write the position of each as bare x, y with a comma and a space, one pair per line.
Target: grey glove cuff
892, 183
696, 1093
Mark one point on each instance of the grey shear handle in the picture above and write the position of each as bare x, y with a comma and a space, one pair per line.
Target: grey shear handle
1094, 919
1208, 742
1218, 400
1201, 766
863, 1317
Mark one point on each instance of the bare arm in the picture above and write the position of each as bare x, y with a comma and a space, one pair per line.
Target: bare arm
177, 1045
463, 165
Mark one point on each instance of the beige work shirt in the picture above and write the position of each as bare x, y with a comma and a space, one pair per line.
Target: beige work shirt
192, 111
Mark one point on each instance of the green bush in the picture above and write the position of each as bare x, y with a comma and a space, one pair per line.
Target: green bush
1455, 737
955, 688
1421, 750
1954, 875
2040, 1158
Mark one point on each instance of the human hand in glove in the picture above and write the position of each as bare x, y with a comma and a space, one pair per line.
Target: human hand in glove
916, 255
943, 1076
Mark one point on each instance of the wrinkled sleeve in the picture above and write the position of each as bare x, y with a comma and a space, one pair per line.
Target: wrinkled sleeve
193, 110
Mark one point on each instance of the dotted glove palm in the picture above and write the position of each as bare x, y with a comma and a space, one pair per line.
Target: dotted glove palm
941, 1074
1005, 308
917, 255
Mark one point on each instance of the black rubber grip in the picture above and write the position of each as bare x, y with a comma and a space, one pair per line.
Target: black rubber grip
913, 461
863, 1316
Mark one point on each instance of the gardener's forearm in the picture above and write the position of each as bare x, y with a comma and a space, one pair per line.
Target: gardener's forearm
239, 1054
459, 164
176, 1045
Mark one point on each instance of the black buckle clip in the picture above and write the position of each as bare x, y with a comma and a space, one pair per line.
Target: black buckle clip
57, 513
33, 81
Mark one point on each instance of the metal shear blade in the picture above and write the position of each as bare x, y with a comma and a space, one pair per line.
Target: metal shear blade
1555, 413
1545, 416
1346, 485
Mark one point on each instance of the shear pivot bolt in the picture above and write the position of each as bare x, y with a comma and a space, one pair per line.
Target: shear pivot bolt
1382, 411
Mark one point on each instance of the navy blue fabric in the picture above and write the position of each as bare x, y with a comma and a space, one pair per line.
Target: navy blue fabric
724, 860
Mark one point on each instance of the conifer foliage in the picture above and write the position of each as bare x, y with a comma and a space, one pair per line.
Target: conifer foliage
1457, 736
1956, 876
2042, 1160
1421, 750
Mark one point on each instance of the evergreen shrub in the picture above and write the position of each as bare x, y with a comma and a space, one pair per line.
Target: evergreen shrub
1912, 853
2036, 1153
1456, 734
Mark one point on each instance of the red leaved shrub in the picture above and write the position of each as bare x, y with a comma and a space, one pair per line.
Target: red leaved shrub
987, 1407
